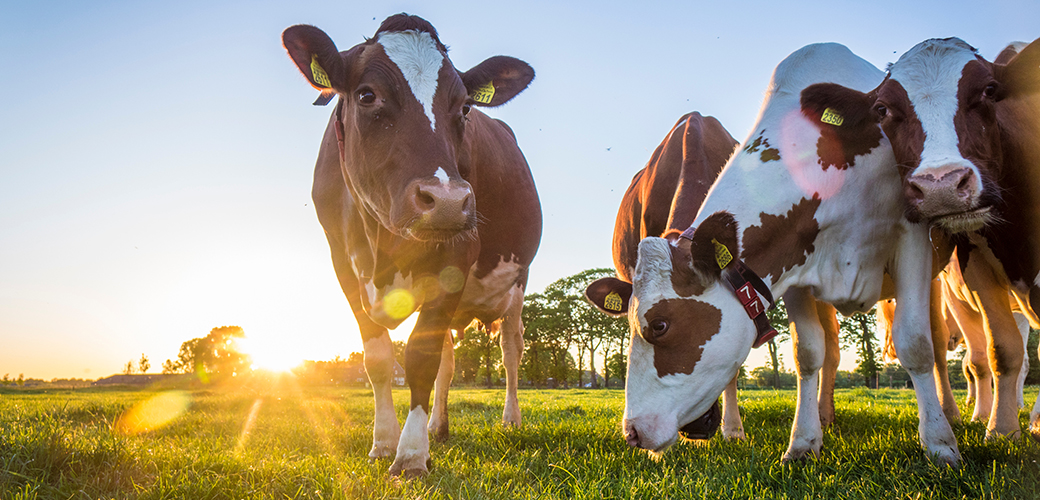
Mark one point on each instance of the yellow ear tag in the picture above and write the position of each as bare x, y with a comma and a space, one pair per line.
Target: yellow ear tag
832, 117
722, 255
484, 94
612, 302
319, 74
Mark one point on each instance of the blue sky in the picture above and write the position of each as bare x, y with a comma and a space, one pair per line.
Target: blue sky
156, 157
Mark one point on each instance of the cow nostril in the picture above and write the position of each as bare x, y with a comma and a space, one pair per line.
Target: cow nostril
914, 193
966, 185
424, 200
632, 437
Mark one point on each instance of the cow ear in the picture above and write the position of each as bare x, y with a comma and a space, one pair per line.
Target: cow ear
497, 80
714, 243
610, 295
1021, 75
316, 56
838, 107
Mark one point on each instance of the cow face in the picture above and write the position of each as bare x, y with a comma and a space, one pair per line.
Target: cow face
401, 121
690, 333
938, 107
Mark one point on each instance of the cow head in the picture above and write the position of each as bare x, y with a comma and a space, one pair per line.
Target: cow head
401, 121
690, 333
937, 105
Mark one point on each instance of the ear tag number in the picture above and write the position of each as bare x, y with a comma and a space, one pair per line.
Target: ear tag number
319, 74
612, 302
485, 93
832, 117
722, 255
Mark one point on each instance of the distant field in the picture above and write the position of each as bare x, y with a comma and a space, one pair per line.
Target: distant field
312, 443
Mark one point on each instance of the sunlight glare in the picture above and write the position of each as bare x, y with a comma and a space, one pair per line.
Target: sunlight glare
153, 413
269, 355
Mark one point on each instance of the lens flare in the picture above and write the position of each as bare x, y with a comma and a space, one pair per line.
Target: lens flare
452, 279
153, 413
399, 303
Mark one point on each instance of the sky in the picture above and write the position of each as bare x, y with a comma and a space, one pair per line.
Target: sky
156, 157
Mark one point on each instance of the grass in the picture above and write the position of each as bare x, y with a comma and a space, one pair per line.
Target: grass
313, 443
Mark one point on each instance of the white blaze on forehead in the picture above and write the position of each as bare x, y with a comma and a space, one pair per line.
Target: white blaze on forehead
930, 73
415, 53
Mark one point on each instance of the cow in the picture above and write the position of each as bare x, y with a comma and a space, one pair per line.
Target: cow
427, 204
805, 209
965, 129
662, 200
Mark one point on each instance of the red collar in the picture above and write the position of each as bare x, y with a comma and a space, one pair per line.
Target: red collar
745, 283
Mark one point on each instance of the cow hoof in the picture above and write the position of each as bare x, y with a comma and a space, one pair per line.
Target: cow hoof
409, 471
948, 457
382, 450
733, 434
801, 454
440, 435
993, 435
511, 417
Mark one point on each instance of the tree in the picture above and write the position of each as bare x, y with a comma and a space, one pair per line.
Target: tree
780, 321
477, 354
215, 355
143, 364
859, 330
128, 368
575, 320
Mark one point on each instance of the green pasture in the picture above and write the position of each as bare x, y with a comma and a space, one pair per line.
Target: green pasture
282, 442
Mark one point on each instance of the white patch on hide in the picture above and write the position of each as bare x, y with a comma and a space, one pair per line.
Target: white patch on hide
415, 53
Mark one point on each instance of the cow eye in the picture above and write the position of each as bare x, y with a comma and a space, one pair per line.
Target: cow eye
366, 97
990, 91
465, 109
881, 110
658, 327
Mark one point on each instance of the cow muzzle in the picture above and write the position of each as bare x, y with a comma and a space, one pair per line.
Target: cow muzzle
439, 211
947, 196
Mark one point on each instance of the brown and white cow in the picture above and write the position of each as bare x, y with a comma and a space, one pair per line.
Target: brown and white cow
966, 127
662, 201
817, 213
427, 204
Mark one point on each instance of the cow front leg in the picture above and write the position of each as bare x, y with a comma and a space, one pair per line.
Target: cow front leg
831, 359
422, 362
940, 341
1023, 329
912, 338
511, 339
809, 348
1034, 416
732, 426
379, 365
438, 425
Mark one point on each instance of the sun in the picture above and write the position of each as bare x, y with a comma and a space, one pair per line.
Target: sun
270, 356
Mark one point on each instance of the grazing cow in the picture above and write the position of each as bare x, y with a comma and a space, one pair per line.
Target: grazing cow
662, 200
428, 204
965, 129
805, 209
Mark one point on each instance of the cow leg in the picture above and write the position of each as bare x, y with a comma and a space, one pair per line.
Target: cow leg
911, 336
438, 425
511, 339
1023, 328
969, 399
732, 426
1003, 344
831, 359
422, 362
976, 364
1034, 416
379, 361
940, 341
807, 333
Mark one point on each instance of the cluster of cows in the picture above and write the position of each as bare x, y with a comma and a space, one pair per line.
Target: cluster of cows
855, 185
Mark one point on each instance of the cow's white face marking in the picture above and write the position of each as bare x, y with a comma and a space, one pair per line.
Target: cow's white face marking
930, 73
442, 176
657, 405
415, 53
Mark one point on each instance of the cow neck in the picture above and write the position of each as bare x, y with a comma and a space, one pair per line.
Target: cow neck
744, 283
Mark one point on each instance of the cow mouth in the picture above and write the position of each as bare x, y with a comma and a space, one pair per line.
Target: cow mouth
703, 427
437, 235
965, 221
